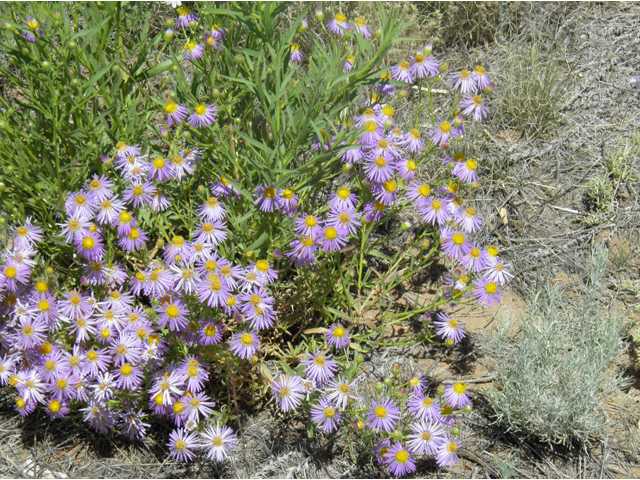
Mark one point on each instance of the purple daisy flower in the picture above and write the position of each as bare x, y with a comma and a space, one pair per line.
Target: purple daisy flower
360, 26
426, 438
440, 134
303, 253
433, 210
288, 391
96, 361
134, 241
128, 376
498, 272
211, 40
399, 460
413, 142
480, 77
407, 169
15, 274
417, 382
310, 226
182, 444
319, 367
456, 245
466, 171
469, 220
212, 210
160, 170
193, 51
158, 282
337, 336
340, 391
177, 247
176, 113
463, 81
374, 211
338, 25
33, 26
383, 415
174, 313
474, 105
348, 64
27, 234
446, 454
456, 395
57, 409
345, 218
379, 169
124, 222
140, 195
333, 238
210, 333
218, 442
343, 198
326, 415
267, 199
109, 210
487, 292
204, 115
449, 328
75, 228
372, 133
423, 66
184, 17
402, 72
385, 193
80, 205
296, 54
211, 233
475, 260
244, 344
195, 373
213, 291
30, 333
289, 202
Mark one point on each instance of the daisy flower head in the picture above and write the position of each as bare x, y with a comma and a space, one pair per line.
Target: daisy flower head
139, 194
383, 415
456, 246
385, 193
175, 112
91, 247
346, 218
372, 133
210, 333
475, 260
339, 24
173, 313
413, 142
402, 72
213, 290
289, 202
57, 409
446, 455
296, 54
348, 63
182, 444
449, 328
441, 133
463, 81
333, 238
456, 395
423, 66
319, 367
108, 211
218, 441
309, 226
245, 344
14, 274
360, 26
466, 171
474, 105
27, 235
288, 391
212, 210
434, 211
426, 437
124, 222
340, 390
268, 198
177, 247
379, 169
480, 77
184, 17
375, 211
337, 336
211, 233
399, 460
499, 272
78, 204
417, 382
303, 253
326, 415
343, 198
264, 271
487, 292
204, 115
33, 27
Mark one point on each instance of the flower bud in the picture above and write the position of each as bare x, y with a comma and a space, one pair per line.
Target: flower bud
168, 21
254, 359
193, 24
440, 390
186, 135
449, 342
379, 387
388, 124
239, 58
160, 242
489, 88
402, 93
400, 393
164, 132
388, 382
216, 92
201, 189
25, 50
444, 67
9, 27
3, 124
458, 120
378, 33
454, 431
426, 243
249, 254
445, 147
319, 14
168, 35
178, 258
239, 318
396, 435
75, 82
45, 65
73, 45
359, 424
277, 254
49, 270
476, 184
428, 49
304, 25
105, 159
149, 311
467, 409
347, 167
406, 225
396, 368
359, 358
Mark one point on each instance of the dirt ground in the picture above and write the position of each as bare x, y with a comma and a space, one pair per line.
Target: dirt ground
543, 222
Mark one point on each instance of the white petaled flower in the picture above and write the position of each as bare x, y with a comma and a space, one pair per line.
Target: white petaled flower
173, 3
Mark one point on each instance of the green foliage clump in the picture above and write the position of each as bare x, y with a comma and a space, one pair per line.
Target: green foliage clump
553, 372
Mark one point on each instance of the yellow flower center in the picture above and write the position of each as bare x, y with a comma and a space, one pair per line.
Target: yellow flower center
124, 217
135, 234
20, 402
479, 70
61, 383
340, 18
201, 110
458, 239
425, 191
419, 58
178, 241
331, 233
126, 369
390, 186
402, 456
414, 381
50, 365
170, 107
319, 360
459, 388
329, 412
465, 74
177, 160
475, 252
46, 348
310, 221
477, 100
287, 194
380, 412
426, 436
307, 241
22, 231
269, 192
344, 388
471, 164
361, 22
338, 332
55, 406
262, 266
284, 392
445, 127
183, 11
192, 372
255, 300
343, 193
27, 330
181, 445
371, 127
33, 24
10, 272
246, 339
453, 323
404, 65
411, 165
41, 286
92, 356
217, 442
493, 251
378, 206
172, 311
452, 447
344, 217
380, 162
383, 144
388, 111
210, 331
491, 288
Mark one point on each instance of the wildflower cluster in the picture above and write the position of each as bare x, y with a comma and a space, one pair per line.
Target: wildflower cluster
402, 420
